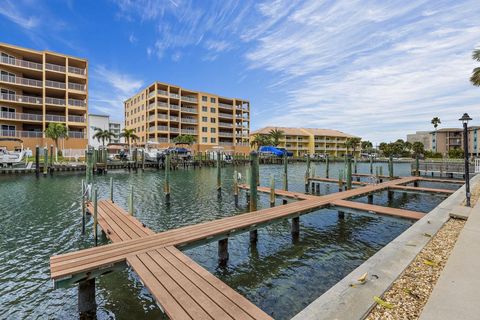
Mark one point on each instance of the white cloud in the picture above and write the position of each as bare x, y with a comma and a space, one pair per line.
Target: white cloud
132, 39
13, 12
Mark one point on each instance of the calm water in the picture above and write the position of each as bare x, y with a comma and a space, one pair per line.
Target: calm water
41, 217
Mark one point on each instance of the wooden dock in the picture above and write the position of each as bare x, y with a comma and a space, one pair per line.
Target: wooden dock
182, 288
331, 180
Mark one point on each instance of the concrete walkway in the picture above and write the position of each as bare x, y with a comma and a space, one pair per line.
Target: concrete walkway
456, 294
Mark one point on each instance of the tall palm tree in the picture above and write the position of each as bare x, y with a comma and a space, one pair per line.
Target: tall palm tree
275, 136
260, 140
129, 134
56, 131
435, 121
475, 77
366, 145
352, 143
103, 135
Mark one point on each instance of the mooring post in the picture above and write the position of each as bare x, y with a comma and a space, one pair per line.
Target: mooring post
235, 186
166, 186
340, 180
349, 173
327, 165
247, 182
223, 252
317, 191
390, 195
105, 159
87, 306
381, 173
355, 164
258, 170
253, 191
371, 164
295, 229
89, 171
219, 174
390, 167
417, 166
37, 160
341, 215
377, 174
51, 160
130, 201
111, 189
370, 198
143, 159
272, 190
285, 171
136, 160
307, 173
84, 209
95, 212
45, 161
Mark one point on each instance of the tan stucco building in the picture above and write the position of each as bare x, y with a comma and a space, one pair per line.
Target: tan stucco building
303, 141
162, 111
38, 88
446, 139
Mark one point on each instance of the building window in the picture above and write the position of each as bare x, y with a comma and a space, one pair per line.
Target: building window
213, 100
213, 140
204, 119
213, 130
204, 108
213, 110
204, 98
213, 120
204, 139
204, 129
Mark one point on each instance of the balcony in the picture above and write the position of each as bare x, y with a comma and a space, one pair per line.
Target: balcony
225, 115
78, 119
77, 86
55, 101
189, 110
55, 84
227, 125
21, 81
226, 106
176, 130
76, 70
225, 134
55, 118
189, 98
174, 95
20, 98
151, 94
223, 143
55, 67
189, 131
21, 134
76, 103
189, 120
163, 140
162, 92
174, 106
21, 63
174, 119
76, 135
21, 116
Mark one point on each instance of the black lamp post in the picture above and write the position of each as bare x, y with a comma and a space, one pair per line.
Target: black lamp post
465, 118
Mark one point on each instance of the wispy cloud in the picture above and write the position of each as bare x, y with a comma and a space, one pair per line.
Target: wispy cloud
110, 88
13, 12
132, 39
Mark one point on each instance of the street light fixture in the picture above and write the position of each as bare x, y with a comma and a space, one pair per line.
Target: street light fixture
465, 118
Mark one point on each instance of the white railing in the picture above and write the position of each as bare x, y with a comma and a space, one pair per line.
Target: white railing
190, 110
477, 165
222, 143
163, 140
76, 118
76, 135
22, 81
189, 120
76, 70
189, 98
55, 101
162, 92
151, 94
55, 118
189, 131
162, 128
223, 124
20, 98
55, 84
76, 103
224, 105
174, 95
225, 115
174, 106
21, 116
76, 86
174, 130
225, 134
21, 134
173, 118
55, 67
21, 63
73, 153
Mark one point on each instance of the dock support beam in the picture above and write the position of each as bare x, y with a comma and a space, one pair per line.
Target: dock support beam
84, 209
87, 306
370, 198
272, 190
285, 171
295, 228
111, 189
340, 181
307, 173
349, 173
166, 186
235, 186
95, 215
415, 184
390, 167
50, 168
45, 161
223, 252
371, 164
341, 215
317, 188
253, 191
390, 195
37, 161
327, 164
219, 174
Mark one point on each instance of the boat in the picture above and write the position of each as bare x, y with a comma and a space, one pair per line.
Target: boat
15, 157
117, 151
153, 152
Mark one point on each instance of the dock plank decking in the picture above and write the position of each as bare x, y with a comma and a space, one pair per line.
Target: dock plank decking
183, 289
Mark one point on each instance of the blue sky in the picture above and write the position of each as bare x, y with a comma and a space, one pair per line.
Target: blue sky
377, 69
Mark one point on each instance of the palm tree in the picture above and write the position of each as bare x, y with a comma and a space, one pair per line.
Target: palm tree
418, 148
475, 78
275, 136
184, 139
129, 134
103, 135
367, 145
56, 131
352, 143
260, 140
435, 121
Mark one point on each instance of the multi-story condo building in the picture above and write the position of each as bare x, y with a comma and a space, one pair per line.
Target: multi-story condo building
421, 136
116, 128
446, 139
100, 121
302, 141
162, 111
38, 88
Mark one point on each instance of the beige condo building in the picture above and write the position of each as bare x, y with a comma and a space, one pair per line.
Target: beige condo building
38, 88
446, 139
302, 141
162, 111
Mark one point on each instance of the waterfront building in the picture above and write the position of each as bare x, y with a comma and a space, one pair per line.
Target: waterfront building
160, 112
116, 128
38, 88
421, 136
446, 139
303, 141
102, 122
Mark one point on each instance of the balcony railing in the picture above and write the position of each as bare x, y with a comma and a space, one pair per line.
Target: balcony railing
21, 63
76, 103
151, 94
55, 101
225, 115
224, 105
55, 118
163, 140
174, 95
55, 84
162, 128
76, 135
22, 81
21, 116
190, 110
189, 131
76, 70
225, 134
21, 134
174, 119
223, 143
223, 124
174, 130
174, 106
189, 98
55, 67
76, 119
189, 120
162, 92
20, 98
76, 86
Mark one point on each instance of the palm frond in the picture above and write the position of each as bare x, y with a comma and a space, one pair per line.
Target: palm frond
475, 78
476, 55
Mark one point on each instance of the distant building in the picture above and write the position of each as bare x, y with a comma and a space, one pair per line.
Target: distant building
102, 122
446, 139
303, 141
421, 136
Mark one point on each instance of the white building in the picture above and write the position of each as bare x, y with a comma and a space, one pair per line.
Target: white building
102, 122
421, 136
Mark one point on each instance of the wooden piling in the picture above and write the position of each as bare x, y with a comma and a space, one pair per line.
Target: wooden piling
45, 161
84, 209
355, 168
370, 198
327, 165
340, 180
295, 228
143, 159
223, 252
253, 191
50, 169
390, 167
37, 160
341, 215
111, 189
371, 164
307, 173
89, 168
95, 213
272, 190
285, 171
417, 166
235, 186
87, 305
349, 173
130, 202
219, 174
166, 186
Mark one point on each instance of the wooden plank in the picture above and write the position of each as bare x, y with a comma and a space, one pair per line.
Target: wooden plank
419, 189
454, 181
110, 226
401, 213
281, 193
331, 180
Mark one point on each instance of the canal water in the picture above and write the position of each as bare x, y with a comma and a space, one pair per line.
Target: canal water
41, 217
